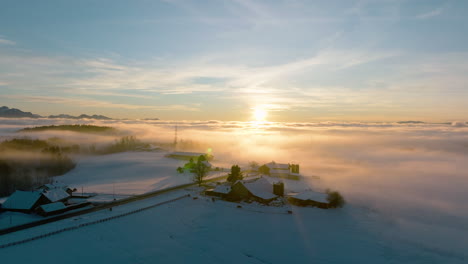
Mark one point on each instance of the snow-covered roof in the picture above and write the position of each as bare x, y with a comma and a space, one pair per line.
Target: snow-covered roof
52, 207
56, 194
22, 200
311, 195
261, 188
222, 189
207, 163
278, 166
50, 186
279, 171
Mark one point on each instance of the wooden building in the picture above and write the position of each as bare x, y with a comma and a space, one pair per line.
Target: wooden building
310, 198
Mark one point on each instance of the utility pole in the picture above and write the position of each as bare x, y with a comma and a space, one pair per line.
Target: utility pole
175, 138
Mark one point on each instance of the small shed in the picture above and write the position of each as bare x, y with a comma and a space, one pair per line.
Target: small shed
221, 191
58, 208
51, 209
310, 198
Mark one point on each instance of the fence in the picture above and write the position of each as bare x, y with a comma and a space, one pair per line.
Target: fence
89, 223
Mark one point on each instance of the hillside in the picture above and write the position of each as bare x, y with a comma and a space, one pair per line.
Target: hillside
74, 128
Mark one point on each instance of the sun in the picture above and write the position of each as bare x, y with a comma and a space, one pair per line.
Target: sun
259, 114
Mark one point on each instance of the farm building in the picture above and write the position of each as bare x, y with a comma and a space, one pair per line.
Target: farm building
260, 190
55, 195
58, 208
51, 208
221, 191
28, 201
51, 186
310, 198
282, 170
24, 201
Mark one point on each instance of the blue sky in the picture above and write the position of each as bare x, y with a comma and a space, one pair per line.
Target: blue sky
296, 60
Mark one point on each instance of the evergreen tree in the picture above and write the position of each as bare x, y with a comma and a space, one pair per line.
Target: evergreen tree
235, 174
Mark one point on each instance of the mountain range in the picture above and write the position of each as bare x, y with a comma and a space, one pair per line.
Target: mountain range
16, 113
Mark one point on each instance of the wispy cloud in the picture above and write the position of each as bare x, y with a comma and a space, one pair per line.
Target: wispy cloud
4, 41
430, 14
85, 102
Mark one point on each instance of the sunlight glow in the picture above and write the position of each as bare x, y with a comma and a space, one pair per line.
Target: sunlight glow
260, 114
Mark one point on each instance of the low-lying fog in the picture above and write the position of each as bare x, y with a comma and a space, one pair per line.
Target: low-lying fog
412, 177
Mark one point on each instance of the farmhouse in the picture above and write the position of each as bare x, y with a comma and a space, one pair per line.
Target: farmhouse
282, 170
310, 198
28, 201
24, 201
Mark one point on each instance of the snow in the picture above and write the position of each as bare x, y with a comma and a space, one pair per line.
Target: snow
202, 231
22, 200
127, 173
311, 195
53, 207
9, 219
223, 188
56, 194
261, 188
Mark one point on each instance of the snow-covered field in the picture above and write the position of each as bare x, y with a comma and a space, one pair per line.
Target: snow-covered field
202, 231
404, 184
126, 173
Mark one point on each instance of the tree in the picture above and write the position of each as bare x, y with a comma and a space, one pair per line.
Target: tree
335, 199
264, 170
235, 174
180, 170
253, 165
5, 178
200, 170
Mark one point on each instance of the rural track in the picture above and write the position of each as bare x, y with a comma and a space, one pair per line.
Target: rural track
103, 206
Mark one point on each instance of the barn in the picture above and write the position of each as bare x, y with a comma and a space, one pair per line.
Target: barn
24, 201
310, 198
260, 190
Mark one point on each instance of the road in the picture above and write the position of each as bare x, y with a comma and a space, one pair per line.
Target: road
103, 206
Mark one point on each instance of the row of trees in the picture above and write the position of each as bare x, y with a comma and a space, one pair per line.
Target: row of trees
74, 128
27, 163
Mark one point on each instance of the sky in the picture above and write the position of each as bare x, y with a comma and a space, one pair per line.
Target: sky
300, 61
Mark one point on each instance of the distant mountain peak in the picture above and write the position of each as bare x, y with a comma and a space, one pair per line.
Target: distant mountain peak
7, 112
82, 116
15, 113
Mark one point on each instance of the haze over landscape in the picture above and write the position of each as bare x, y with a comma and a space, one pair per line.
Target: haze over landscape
367, 97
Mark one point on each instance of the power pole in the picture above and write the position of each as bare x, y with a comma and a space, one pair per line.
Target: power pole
175, 138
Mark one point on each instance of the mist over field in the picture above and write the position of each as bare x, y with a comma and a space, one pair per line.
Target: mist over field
412, 178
